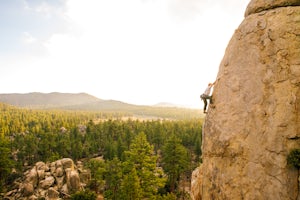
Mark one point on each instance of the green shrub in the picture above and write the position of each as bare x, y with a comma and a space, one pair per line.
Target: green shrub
84, 195
294, 158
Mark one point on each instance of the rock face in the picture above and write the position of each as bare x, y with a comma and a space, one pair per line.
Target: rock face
256, 119
54, 180
196, 184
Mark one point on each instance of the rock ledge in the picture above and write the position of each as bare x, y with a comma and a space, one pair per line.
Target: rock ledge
256, 6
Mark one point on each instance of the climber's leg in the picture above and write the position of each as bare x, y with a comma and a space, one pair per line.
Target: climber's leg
211, 102
205, 105
210, 99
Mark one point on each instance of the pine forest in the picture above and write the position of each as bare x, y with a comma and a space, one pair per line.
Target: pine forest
139, 159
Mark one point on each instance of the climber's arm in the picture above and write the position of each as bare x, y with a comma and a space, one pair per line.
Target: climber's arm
218, 78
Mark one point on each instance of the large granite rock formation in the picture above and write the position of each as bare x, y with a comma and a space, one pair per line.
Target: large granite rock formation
256, 119
54, 180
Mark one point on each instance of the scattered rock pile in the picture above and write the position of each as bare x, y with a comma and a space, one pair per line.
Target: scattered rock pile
54, 180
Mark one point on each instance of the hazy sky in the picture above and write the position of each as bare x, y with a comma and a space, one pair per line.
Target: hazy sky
136, 51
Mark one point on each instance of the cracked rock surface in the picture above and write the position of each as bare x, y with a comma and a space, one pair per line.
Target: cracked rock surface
256, 119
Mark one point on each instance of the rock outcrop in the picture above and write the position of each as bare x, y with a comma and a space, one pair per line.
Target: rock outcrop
54, 180
196, 184
256, 119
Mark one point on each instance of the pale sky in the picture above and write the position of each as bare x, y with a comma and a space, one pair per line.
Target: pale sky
136, 51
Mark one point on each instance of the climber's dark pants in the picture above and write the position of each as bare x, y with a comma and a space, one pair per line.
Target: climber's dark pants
204, 97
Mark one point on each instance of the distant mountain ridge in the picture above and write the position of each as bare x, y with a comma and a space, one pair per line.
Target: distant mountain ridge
47, 100
87, 102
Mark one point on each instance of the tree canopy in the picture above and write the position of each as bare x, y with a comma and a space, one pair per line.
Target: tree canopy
155, 153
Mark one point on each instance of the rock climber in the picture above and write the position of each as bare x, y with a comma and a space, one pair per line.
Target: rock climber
206, 95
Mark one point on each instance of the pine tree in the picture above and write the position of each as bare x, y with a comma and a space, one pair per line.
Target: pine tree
174, 160
141, 157
98, 169
131, 188
113, 176
6, 162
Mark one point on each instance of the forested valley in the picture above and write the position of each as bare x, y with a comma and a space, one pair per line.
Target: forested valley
140, 159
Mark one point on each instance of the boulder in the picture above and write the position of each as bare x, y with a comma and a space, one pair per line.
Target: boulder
73, 180
33, 197
49, 181
32, 177
28, 189
59, 172
255, 121
64, 189
53, 194
41, 166
12, 192
60, 181
41, 174
67, 163
52, 167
